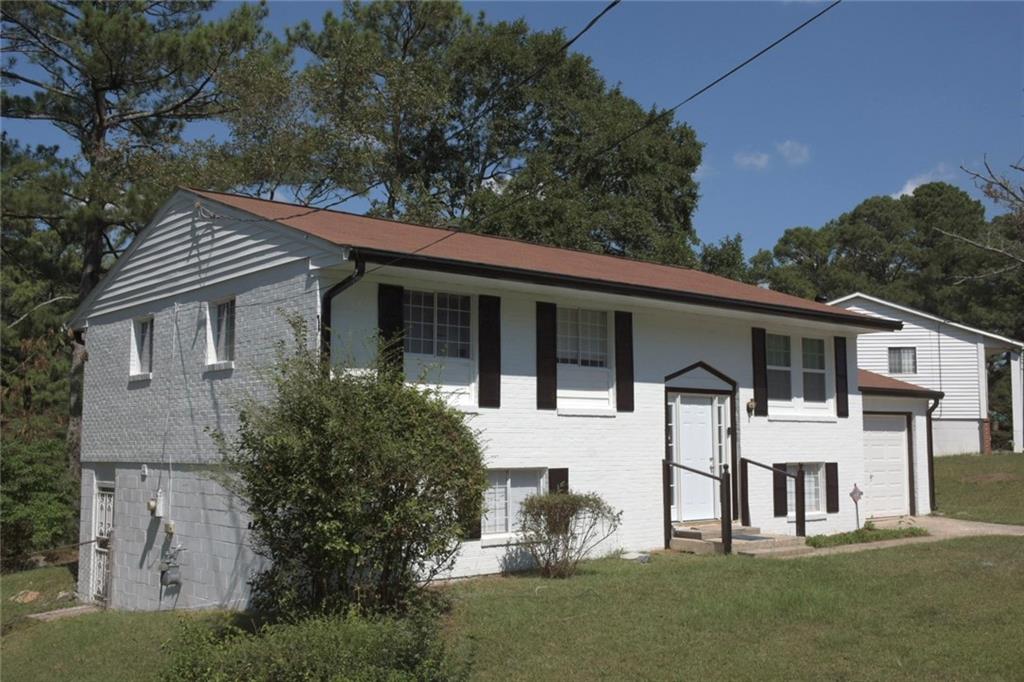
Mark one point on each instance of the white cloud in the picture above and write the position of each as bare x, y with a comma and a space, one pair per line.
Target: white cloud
751, 160
795, 153
940, 172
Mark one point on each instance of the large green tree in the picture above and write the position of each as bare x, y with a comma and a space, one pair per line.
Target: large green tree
121, 80
492, 127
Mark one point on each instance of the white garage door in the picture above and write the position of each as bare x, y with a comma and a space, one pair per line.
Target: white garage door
885, 465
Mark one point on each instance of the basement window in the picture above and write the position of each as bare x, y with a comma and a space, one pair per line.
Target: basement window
506, 491
813, 493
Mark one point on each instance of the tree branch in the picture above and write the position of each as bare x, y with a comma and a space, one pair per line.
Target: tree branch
38, 306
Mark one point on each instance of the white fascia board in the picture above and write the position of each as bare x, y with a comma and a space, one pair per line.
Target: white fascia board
1004, 341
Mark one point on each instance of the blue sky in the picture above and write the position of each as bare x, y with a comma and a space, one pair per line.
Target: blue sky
873, 98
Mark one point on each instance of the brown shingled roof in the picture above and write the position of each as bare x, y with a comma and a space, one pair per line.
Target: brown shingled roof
880, 384
382, 241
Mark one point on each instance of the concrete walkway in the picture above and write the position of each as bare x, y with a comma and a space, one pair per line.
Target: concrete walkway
940, 527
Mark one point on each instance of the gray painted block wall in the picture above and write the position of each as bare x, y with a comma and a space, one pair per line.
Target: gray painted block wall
164, 424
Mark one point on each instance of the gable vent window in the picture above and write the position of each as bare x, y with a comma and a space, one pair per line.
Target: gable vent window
582, 337
436, 324
814, 370
902, 361
779, 362
142, 348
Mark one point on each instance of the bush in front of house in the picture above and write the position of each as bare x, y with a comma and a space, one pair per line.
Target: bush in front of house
560, 529
319, 648
37, 496
867, 533
360, 486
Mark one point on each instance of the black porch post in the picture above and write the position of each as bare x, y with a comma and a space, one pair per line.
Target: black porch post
801, 518
725, 485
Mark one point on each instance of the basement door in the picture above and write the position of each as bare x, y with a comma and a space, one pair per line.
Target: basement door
885, 465
697, 440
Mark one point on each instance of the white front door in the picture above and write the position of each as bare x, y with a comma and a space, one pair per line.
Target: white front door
695, 448
885, 465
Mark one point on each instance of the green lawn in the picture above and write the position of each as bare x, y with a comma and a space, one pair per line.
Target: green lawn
981, 487
942, 610
48, 582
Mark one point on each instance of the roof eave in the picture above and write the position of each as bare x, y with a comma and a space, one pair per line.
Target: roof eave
420, 261
902, 393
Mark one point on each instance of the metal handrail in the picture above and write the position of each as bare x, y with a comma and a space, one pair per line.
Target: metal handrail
695, 471
798, 493
725, 500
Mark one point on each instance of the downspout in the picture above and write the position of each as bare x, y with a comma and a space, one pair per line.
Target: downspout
325, 306
931, 454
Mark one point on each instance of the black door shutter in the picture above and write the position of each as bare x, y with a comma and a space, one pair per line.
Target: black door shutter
489, 335
547, 369
842, 382
757, 342
831, 487
779, 497
558, 480
389, 322
623, 361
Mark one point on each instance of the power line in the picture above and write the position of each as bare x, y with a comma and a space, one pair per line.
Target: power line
632, 133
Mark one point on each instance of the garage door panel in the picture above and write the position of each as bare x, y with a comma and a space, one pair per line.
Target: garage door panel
885, 465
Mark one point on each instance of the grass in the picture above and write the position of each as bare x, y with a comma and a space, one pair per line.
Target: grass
943, 610
869, 533
946, 610
48, 582
981, 487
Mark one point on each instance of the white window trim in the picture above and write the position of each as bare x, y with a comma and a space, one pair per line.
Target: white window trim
605, 409
510, 536
135, 372
212, 363
415, 363
797, 408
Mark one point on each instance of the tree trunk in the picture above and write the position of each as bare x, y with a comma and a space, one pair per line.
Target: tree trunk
92, 262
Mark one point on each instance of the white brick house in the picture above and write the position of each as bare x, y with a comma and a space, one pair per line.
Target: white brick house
575, 367
944, 356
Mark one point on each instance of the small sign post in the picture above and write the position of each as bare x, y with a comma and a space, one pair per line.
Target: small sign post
855, 495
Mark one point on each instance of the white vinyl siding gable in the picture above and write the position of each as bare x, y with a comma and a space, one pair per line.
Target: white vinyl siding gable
958, 375
186, 248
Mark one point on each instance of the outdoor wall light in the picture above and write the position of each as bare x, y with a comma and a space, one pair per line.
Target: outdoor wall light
751, 405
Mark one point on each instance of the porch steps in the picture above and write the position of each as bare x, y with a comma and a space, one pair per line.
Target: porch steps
746, 541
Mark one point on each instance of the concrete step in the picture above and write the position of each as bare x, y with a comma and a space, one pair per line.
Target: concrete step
695, 546
770, 552
709, 532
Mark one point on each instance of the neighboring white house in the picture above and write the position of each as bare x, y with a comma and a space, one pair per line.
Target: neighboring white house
577, 368
944, 356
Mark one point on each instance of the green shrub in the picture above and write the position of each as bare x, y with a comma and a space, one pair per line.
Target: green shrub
560, 529
339, 648
360, 486
37, 498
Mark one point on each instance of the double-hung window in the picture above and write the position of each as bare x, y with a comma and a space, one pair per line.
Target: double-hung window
902, 361
506, 491
142, 347
779, 362
583, 356
798, 372
437, 324
812, 488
